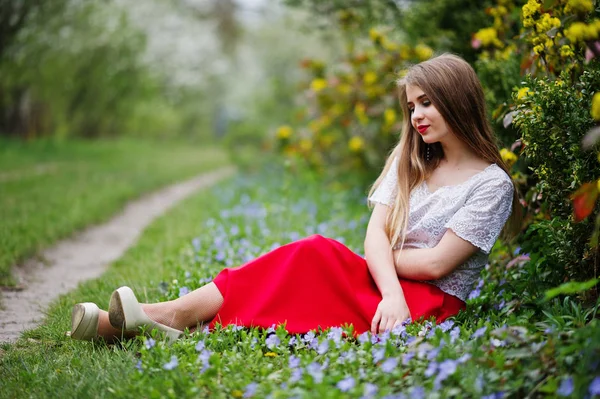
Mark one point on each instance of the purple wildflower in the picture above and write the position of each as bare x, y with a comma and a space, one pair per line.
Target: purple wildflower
171, 364
220, 256
446, 325
200, 346
272, 341
378, 354
474, 294
315, 371
431, 369
417, 392
370, 390
204, 358
566, 387
271, 329
138, 365
335, 334
183, 291
433, 353
364, 337
594, 388
293, 341
323, 347
250, 390
293, 362
296, 375
407, 357
234, 230
454, 334
389, 365
479, 332
308, 337
150, 343
196, 244
464, 358
346, 384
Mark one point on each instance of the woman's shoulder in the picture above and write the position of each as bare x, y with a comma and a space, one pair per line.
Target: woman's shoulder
493, 177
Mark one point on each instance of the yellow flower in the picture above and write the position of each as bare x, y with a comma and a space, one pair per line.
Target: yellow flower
305, 145
344, 88
522, 93
271, 354
284, 132
374, 35
596, 106
318, 84
530, 8
508, 156
576, 32
359, 111
581, 6
566, 51
236, 393
389, 116
370, 78
488, 37
423, 52
356, 144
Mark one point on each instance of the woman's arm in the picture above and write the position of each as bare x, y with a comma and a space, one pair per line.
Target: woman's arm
436, 262
392, 310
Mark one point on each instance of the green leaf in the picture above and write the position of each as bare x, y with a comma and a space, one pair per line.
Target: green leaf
572, 287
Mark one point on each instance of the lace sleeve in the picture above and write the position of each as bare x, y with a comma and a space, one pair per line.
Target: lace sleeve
388, 188
484, 214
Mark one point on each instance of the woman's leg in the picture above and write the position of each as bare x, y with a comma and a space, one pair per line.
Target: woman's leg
199, 306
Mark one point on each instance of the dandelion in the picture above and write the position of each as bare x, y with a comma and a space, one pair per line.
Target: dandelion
566, 387
149, 344
250, 390
479, 333
171, 364
389, 365
272, 341
346, 384
594, 388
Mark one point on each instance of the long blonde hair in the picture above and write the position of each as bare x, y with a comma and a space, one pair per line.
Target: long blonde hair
452, 86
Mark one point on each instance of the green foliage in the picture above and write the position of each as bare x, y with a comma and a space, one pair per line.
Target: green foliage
49, 189
508, 342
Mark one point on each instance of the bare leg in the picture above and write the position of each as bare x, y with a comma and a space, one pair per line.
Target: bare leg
199, 306
108, 332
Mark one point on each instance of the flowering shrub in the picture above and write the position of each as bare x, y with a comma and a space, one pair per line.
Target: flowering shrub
350, 120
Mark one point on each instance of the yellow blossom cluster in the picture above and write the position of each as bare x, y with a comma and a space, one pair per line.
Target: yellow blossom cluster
595, 111
523, 92
284, 132
423, 52
530, 9
508, 157
489, 37
579, 6
580, 31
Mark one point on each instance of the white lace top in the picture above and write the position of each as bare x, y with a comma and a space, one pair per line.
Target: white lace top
476, 210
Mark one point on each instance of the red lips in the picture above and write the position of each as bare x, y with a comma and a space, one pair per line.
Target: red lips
422, 128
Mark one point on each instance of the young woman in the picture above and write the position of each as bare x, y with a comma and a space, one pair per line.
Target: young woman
439, 205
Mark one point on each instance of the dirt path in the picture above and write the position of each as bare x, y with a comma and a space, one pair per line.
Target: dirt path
85, 256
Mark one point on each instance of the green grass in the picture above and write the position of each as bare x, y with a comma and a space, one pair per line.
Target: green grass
507, 343
50, 189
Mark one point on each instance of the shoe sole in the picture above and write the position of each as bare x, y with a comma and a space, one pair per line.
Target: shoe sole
116, 315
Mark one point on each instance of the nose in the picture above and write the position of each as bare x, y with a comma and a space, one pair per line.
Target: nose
417, 115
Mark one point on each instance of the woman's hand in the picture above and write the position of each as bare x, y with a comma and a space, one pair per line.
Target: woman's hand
391, 311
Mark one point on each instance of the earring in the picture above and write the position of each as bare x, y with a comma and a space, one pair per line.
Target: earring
428, 155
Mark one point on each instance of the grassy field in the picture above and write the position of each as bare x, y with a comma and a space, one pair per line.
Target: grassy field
50, 189
504, 345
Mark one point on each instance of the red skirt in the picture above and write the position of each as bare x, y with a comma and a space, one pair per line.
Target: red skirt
314, 283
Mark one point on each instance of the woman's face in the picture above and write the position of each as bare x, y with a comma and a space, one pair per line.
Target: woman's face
424, 117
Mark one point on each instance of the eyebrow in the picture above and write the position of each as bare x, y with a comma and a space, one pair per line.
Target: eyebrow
418, 98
